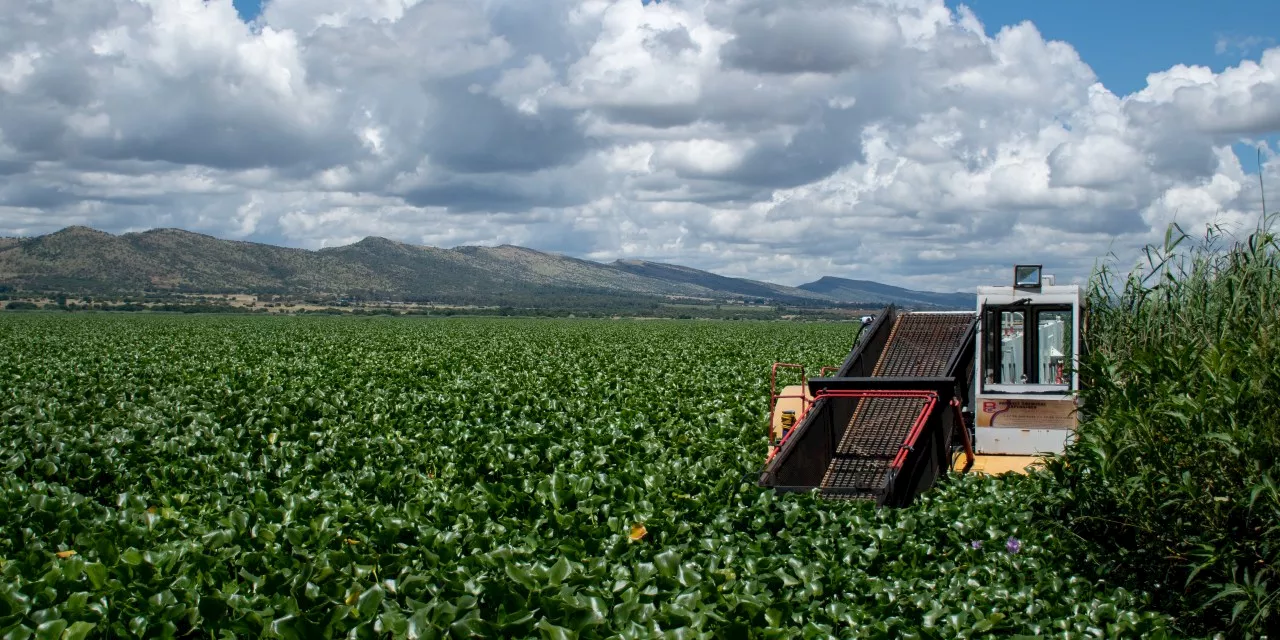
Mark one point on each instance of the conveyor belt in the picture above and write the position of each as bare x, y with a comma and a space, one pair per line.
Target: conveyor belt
862, 475
922, 344
919, 345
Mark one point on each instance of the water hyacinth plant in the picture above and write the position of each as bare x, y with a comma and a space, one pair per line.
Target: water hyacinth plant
409, 478
1174, 478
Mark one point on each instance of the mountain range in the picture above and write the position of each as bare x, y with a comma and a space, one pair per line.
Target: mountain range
87, 261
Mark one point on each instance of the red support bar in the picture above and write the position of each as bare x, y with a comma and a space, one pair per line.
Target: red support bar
914, 434
868, 393
823, 371
930, 396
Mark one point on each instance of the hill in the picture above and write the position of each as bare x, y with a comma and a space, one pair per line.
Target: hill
874, 294
88, 261
738, 286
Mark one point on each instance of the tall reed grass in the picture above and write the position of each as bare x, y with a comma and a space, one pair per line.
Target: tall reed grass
1172, 481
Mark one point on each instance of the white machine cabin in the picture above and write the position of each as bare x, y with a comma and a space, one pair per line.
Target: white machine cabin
1025, 381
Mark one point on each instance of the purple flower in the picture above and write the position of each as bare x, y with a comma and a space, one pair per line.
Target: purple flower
1013, 545
976, 544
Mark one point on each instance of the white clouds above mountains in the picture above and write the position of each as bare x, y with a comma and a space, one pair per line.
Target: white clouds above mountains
888, 139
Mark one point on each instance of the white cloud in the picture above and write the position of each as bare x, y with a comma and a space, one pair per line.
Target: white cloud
1243, 45
895, 140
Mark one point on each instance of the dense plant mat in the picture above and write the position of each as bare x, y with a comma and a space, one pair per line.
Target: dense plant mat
410, 478
1174, 478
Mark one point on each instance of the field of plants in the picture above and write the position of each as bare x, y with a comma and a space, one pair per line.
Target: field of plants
414, 478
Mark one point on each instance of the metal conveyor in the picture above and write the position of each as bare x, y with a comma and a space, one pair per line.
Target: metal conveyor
883, 428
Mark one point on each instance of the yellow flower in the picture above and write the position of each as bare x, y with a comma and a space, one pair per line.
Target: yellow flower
637, 532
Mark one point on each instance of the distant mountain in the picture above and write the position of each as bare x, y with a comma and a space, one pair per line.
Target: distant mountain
739, 286
874, 294
80, 259
84, 260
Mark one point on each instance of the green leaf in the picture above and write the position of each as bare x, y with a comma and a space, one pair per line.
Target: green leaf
75, 602
521, 575
78, 630
17, 632
289, 627
988, 623
666, 562
97, 573
552, 632
369, 601
420, 625
559, 571
51, 630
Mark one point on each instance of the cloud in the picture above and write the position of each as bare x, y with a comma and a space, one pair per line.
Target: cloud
807, 37
897, 140
1241, 45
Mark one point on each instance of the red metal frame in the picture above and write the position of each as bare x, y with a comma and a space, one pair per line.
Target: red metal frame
931, 398
774, 396
910, 443
931, 401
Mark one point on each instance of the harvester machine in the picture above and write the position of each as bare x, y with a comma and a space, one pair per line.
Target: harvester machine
924, 393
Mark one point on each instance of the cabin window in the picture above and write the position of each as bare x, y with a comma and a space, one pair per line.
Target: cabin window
1053, 345
1026, 344
1005, 338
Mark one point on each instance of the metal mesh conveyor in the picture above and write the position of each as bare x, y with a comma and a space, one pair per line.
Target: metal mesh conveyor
881, 428
863, 475
919, 345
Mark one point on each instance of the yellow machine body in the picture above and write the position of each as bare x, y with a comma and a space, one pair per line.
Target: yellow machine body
789, 400
998, 464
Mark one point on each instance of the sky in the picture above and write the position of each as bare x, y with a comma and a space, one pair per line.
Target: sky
922, 143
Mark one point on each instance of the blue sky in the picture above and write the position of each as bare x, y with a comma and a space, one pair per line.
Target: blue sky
1124, 40
249, 9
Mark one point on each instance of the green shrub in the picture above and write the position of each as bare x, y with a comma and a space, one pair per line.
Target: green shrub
1173, 475
317, 477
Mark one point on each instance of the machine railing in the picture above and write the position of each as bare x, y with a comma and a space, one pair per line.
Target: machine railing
812, 457
929, 396
884, 428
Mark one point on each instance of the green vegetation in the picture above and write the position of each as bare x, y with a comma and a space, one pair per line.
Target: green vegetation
85, 261
314, 477
1174, 478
